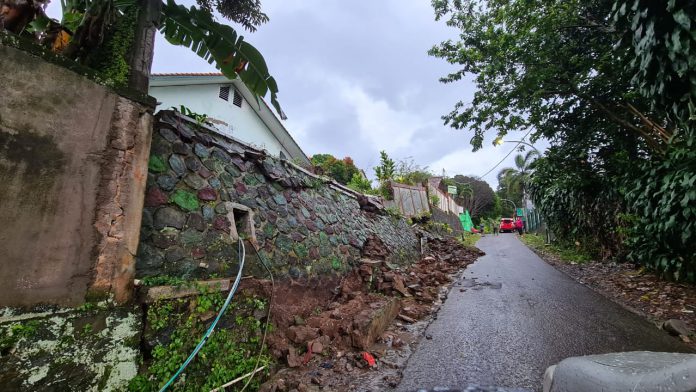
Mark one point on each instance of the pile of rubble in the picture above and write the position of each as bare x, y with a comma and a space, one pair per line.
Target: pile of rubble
325, 346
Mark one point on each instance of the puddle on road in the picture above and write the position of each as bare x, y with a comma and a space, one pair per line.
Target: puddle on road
473, 284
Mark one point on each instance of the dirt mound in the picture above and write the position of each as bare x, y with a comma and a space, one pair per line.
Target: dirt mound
320, 324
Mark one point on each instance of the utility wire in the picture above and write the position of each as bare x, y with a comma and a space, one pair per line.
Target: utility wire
508, 154
268, 316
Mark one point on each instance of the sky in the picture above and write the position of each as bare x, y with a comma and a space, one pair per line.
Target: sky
355, 78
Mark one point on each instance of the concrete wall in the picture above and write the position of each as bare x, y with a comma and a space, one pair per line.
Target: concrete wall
303, 225
243, 123
73, 158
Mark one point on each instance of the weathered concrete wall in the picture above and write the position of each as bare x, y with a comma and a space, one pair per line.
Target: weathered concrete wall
303, 225
72, 166
59, 349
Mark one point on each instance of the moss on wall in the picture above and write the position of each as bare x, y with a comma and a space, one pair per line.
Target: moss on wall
94, 347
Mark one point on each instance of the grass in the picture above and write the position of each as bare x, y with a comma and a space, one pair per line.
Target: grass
564, 253
469, 239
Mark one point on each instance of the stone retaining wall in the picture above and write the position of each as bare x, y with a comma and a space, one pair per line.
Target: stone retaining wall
205, 189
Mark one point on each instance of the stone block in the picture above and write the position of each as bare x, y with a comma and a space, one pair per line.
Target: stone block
370, 323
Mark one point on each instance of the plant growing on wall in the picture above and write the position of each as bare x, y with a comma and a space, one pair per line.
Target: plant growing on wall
385, 173
361, 184
89, 23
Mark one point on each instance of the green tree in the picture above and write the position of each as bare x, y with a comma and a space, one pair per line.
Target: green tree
611, 83
473, 194
361, 184
92, 21
544, 65
340, 170
514, 180
387, 168
245, 12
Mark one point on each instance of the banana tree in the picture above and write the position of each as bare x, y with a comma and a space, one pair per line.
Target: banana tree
220, 45
87, 22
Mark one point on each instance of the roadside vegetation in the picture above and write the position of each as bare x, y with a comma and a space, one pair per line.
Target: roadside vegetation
469, 239
559, 251
612, 85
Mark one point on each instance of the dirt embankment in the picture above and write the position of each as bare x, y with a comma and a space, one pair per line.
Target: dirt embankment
337, 334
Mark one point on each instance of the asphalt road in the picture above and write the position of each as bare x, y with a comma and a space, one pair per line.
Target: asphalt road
517, 316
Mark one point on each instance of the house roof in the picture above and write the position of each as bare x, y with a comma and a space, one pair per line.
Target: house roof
265, 112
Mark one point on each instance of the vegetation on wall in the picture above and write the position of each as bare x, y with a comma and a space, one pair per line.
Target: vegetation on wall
230, 352
111, 60
96, 33
361, 184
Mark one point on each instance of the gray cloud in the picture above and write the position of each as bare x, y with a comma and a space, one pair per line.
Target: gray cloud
355, 78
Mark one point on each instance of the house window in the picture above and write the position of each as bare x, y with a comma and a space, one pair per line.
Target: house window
225, 92
237, 98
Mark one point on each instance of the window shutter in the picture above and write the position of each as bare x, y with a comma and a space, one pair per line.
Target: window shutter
225, 92
237, 101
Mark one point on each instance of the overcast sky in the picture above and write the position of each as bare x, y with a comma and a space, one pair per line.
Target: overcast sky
355, 78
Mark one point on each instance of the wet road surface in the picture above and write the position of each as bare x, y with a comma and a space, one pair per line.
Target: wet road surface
516, 316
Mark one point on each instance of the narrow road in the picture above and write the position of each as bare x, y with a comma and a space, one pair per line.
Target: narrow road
516, 316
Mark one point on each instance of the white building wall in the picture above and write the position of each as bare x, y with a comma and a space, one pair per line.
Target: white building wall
243, 123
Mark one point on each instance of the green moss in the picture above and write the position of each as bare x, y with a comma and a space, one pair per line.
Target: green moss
300, 250
335, 263
11, 335
111, 59
156, 164
251, 180
96, 296
186, 200
268, 230
104, 378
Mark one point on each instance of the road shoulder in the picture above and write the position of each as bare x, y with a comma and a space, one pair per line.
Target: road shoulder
630, 286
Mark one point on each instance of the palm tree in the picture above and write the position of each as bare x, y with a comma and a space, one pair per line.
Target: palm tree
514, 179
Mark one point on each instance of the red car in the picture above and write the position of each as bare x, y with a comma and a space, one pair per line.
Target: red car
507, 225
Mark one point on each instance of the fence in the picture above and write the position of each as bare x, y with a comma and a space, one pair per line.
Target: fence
445, 201
410, 200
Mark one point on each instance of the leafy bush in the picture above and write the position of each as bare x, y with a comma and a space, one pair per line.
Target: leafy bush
343, 171
663, 199
229, 352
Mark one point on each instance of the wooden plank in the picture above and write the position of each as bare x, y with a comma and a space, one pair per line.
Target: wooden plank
156, 293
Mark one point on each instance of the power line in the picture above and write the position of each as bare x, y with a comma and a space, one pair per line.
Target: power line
508, 154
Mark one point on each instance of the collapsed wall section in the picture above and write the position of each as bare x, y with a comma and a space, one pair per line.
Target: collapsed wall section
205, 190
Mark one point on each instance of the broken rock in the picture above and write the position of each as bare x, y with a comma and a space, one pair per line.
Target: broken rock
676, 327
300, 333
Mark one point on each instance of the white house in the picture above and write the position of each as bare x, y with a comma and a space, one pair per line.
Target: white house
231, 107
